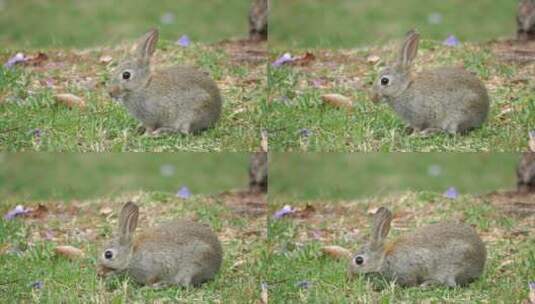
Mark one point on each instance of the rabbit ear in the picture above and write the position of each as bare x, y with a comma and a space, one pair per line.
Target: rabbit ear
409, 49
381, 225
147, 45
128, 222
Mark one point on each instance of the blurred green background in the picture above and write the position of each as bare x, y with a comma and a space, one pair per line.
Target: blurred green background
84, 23
35, 176
352, 23
355, 175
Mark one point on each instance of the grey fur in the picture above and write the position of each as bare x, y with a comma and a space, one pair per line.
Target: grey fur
526, 173
179, 252
525, 20
446, 253
443, 99
176, 99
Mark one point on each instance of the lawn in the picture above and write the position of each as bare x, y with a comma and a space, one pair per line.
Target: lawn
351, 41
80, 64
298, 119
332, 206
68, 176
347, 176
348, 23
295, 243
33, 273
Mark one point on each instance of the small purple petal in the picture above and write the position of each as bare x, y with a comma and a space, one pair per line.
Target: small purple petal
183, 193
451, 193
19, 57
287, 209
451, 41
303, 284
37, 285
434, 18
184, 41
167, 170
305, 132
532, 134
167, 18
286, 57
531, 285
18, 210
434, 170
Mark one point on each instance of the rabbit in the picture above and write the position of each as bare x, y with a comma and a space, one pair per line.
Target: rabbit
179, 252
525, 20
445, 253
176, 99
526, 173
258, 20
439, 100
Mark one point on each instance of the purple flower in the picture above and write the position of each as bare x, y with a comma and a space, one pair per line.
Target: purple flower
303, 284
18, 210
532, 134
37, 285
305, 132
184, 41
183, 193
286, 57
451, 193
287, 209
531, 285
19, 57
451, 41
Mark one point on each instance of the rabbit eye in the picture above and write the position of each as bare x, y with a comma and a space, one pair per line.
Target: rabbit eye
385, 81
126, 75
359, 260
108, 254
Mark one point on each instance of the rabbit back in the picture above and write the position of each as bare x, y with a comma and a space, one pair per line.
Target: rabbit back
179, 252
451, 99
445, 253
175, 97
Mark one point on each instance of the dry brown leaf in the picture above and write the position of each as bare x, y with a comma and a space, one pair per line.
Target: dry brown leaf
337, 100
40, 212
264, 293
264, 140
105, 210
336, 252
69, 252
70, 100
105, 59
373, 59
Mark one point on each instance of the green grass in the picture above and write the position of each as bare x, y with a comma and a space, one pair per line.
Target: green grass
348, 23
26, 256
65, 23
67, 176
31, 120
335, 176
298, 120
295, 243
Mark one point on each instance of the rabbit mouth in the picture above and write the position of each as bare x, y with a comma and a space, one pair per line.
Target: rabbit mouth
103, 271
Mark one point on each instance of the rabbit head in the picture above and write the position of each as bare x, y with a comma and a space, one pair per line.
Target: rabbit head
133, 73
370, 257
526, 15
394, 79
116, 254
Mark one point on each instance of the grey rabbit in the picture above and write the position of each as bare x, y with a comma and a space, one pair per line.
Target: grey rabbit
176, 99
441, 99
525, 20
258, 20
526, 173
179, 252
445, 253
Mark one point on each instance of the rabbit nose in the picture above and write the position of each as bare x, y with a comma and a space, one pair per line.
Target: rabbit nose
374, 96
102, 271
113, 91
